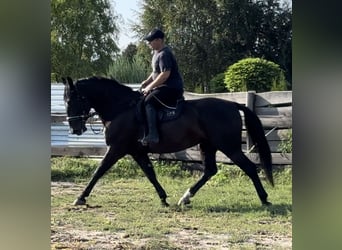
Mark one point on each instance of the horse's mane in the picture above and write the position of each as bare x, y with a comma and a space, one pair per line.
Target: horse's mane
105, 85
107, 96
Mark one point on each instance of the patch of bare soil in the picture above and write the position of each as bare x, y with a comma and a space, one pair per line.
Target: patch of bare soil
65, 237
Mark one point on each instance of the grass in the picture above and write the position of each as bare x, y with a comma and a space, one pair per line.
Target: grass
127, 204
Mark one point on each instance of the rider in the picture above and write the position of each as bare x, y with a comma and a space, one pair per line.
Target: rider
164, 85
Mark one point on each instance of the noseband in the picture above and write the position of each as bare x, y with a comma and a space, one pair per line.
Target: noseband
80, 117
83, 117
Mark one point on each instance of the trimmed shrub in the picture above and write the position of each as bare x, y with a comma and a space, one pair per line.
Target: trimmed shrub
254, 74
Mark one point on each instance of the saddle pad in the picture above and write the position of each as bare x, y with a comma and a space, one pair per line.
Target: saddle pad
168, 114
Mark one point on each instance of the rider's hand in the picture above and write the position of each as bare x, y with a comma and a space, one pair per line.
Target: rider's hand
146, 90
142, 86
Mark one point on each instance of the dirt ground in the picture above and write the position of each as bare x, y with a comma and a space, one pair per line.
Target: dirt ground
67, 237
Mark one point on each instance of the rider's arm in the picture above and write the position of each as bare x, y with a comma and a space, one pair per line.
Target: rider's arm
147, 81
161, 78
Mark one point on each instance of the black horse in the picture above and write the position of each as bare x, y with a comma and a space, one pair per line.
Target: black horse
212, 123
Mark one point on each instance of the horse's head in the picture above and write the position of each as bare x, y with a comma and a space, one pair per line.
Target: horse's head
77, 107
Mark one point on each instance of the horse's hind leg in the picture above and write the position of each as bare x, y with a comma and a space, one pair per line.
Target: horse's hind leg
251, 170
146, 165
210, 169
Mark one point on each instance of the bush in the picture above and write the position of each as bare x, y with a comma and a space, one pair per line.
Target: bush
171, 169
71, 169
76, 169
286, 145
217, 84
127, 70
254, 74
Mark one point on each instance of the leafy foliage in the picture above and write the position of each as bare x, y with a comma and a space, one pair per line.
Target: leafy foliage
206, 35
130, 52
82, 37
286, 145
217, 84
254, 74
68, 168
127, 70
71, 169
274, 35
209, 35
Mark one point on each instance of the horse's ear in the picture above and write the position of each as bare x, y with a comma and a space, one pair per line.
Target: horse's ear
70, 82
64, 81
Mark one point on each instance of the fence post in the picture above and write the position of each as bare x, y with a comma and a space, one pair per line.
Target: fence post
250, 98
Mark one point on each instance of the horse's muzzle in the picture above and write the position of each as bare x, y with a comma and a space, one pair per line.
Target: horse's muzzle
78, 131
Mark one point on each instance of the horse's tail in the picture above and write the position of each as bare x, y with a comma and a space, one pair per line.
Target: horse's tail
256, 131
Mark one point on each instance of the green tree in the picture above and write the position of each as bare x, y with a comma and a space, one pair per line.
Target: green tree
130, 51
217, 84
254, 74
255, 29
235, 32
83, 35
187, 25
209, 35
274, 35
191, 33
144, 53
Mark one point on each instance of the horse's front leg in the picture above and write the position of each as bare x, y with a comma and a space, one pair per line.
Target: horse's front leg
107, 162
146, 165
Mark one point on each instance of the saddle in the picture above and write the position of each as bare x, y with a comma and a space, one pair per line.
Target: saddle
168, 113
165, 113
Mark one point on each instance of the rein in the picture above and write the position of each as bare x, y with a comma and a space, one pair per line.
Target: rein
92, 114
77, 117
85, 117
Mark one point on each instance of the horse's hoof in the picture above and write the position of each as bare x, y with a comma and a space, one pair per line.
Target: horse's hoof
184, 202
165, 204
266, 203
79, 202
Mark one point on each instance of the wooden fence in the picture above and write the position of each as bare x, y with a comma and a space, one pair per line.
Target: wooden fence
273, 108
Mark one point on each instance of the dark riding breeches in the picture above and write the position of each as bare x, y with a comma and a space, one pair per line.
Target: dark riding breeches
165, 95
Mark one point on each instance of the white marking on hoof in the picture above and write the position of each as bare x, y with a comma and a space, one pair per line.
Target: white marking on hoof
185, 198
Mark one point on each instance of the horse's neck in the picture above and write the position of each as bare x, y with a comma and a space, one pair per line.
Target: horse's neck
109, 107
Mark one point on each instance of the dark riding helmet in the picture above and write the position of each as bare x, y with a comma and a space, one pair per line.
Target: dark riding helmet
154, 34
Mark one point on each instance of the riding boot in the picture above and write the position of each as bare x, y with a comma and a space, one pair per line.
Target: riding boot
151, 115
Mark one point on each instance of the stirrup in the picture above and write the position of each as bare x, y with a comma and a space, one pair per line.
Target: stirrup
143, 141
147, 140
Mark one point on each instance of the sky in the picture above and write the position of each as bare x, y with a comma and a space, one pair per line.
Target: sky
126, 8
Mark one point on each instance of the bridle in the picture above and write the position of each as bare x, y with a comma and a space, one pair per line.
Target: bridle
84, 117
